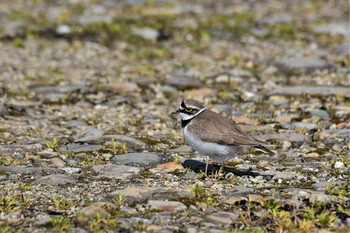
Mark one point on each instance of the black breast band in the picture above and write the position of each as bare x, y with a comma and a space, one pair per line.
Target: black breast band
185, 122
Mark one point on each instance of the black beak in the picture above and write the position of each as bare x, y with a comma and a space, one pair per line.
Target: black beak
176, 112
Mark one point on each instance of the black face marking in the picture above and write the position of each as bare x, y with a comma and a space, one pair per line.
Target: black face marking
183, 104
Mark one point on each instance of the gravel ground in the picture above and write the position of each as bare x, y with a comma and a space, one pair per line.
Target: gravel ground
87, 142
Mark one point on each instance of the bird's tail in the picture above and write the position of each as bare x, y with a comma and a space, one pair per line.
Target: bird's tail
264, 149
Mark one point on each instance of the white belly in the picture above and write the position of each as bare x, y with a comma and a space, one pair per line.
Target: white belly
216, 152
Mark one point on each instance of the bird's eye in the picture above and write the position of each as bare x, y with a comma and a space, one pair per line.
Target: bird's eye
188, 109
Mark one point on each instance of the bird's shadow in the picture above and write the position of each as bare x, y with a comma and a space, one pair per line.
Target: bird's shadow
198, 166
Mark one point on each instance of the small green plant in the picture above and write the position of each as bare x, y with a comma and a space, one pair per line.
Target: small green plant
283, 221
139, 227
309, 213
62, 204
61, 223
120, 199
97, 221
8, 204
199, 191
26, 187
202, 195
18, 42
344, 211
305, 226
272, 203
340, 190
86, 160
10, 230
325, 219
70, 153
172, 136
176, 159
115, 148
53, 144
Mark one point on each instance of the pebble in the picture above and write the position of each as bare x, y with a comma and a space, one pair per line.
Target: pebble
319, 113
336, 148
334, 133
140, 194
78, 148
48, 153
99, 208
63, 29
284, 175
301, 64
312, 155
99, 138
146, 33
311, 90
121, 172
30, 170
277, 18
71, 170
57, 162
146, 159
56, 179
166, 206
301, 125
167, 167
133, 194
339, 164
90, 134
183, 82
222, 217
19, 148
286, 136
333, 29
286, 145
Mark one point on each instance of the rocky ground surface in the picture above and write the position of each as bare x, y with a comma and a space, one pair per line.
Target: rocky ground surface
87, 142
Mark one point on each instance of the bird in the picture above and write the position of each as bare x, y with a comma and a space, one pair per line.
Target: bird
213, 135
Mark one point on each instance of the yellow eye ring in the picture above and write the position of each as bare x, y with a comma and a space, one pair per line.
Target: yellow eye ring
188, 109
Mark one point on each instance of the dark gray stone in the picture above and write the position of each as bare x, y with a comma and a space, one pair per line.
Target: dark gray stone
308, 126
166, 206
130, 142
75, 123
334, 29
222, 217
277, 18
60, 89
300, 64
140, 159
78, 148
141, 194
287, 136
319, 113
284, 175
311, 90
332, 133
121, 172
18, 148
90, 135
56, 179
30, 170
183, 82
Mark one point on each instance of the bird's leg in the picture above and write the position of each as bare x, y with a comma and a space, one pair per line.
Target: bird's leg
222, 167
206, 165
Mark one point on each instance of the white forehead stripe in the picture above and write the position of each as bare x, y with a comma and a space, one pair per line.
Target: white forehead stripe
192, 106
